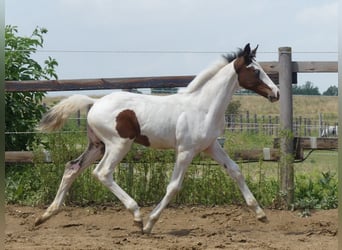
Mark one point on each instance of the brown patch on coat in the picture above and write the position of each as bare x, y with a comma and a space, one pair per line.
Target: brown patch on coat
128, 126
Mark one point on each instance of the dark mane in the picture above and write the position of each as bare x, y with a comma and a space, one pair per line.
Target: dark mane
233, 55
240, 52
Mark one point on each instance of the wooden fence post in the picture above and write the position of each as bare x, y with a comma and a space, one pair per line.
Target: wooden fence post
256, 124
286, 126
78, 118
320, 130
247, 122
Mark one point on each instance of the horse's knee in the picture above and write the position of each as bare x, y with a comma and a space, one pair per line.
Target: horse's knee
71, 169
103, 175
97, 175
73, 165
234, 172
173, 188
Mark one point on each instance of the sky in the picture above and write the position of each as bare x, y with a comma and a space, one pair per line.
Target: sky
126, 38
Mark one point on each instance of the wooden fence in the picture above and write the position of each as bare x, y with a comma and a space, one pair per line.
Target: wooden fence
283, 71
119, 83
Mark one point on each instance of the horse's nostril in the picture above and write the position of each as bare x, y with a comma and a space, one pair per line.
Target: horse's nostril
274, 97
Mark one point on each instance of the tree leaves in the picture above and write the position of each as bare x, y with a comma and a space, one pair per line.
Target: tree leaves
331, 91
24, 109
307, 89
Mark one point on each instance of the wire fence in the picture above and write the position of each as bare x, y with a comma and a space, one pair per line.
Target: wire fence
240, 123
270, 125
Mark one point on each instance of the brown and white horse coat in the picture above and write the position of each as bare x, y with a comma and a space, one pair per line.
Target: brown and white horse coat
189, 122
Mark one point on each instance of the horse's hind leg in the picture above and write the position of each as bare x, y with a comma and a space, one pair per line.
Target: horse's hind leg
104, 173
73, 169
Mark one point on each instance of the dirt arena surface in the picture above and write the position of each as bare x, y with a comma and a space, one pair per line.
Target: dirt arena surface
221, 227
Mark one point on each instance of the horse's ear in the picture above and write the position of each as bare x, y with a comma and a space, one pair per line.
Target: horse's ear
247, 54
254, 51
247, 50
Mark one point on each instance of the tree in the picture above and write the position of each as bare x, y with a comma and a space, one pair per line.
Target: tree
233, 108
24, 109
306, 89
331, 91
164, 91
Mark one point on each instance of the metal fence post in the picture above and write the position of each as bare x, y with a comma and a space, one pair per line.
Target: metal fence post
286, 126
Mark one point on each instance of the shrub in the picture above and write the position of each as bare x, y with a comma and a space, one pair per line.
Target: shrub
318, 192
24, 109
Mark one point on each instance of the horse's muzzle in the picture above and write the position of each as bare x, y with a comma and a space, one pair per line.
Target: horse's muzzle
274, 98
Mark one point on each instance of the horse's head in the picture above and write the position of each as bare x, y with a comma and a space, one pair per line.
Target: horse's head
251, 75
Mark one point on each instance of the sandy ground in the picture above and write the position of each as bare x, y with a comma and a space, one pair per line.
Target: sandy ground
222, 227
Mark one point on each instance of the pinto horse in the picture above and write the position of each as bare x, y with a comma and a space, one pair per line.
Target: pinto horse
189, 122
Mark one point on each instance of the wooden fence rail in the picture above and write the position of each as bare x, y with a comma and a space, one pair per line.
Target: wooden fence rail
264, 154
271, 68
117, 83
19, 157
106, 83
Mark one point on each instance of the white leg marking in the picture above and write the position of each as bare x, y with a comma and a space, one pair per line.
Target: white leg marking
220, 156
182, 162
72, 170
104, 173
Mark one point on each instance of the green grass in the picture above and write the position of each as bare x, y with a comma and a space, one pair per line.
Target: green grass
318, 161
145, 174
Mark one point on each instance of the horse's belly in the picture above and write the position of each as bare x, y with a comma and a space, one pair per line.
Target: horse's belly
160, 137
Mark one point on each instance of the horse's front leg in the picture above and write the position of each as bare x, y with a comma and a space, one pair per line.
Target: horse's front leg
220, 156
182, 162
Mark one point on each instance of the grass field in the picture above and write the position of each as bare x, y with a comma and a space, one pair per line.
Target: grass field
306, 106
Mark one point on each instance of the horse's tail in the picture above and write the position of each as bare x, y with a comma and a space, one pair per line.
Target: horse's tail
56, 117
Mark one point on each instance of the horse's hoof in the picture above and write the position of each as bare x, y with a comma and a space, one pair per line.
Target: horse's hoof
139, 224
263, 219
38, 221
146, 231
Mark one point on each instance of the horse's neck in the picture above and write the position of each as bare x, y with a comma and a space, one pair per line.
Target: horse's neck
203, 77
215, 95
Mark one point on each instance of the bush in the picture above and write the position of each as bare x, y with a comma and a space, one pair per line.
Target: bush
319, 192
24, 109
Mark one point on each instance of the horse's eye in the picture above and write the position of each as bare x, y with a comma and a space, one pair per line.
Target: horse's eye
257, 72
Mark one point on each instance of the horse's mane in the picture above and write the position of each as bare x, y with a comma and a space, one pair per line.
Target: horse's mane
208, 73
233, 55
204, 76
240, 52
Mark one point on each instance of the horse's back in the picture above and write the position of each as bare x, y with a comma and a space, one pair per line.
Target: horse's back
153, 117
